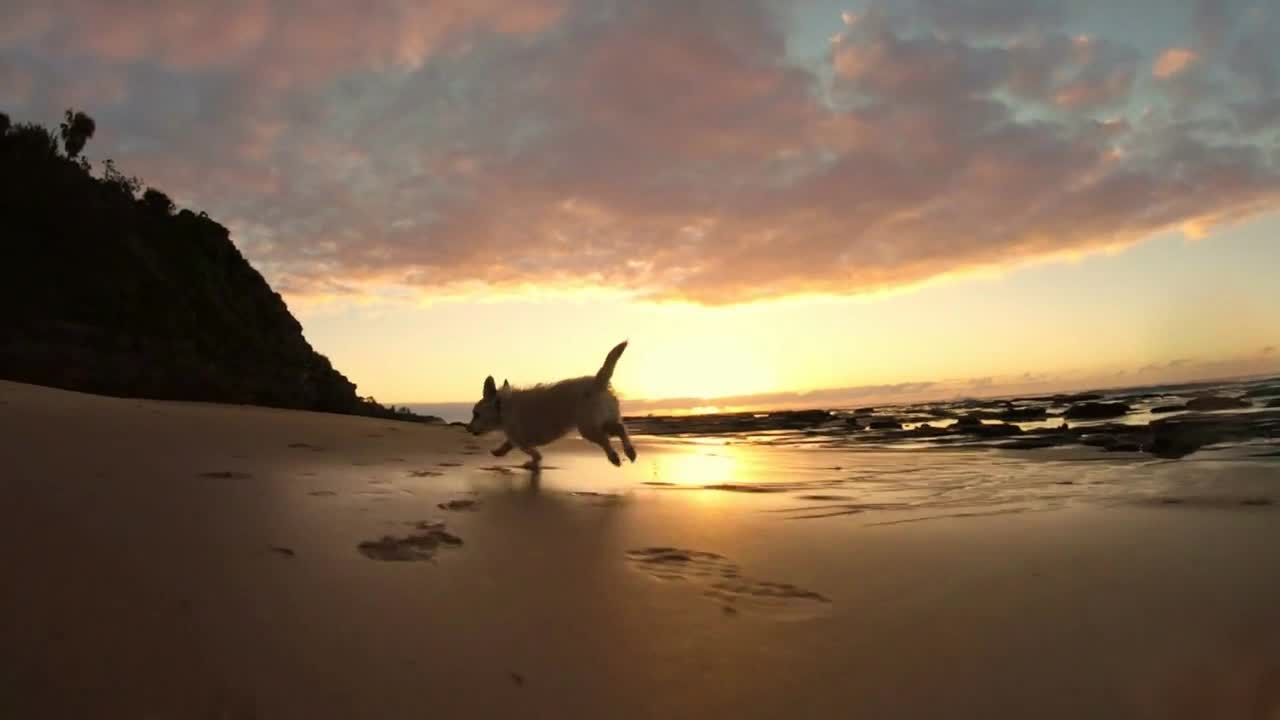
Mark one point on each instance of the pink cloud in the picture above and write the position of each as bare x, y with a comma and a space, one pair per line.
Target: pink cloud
1173, 62
322, 37
672, 149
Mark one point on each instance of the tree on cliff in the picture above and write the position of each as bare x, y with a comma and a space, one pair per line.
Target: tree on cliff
76, 129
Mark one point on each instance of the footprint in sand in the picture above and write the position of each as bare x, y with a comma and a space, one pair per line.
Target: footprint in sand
425, 473
726, 585
226, 475
417, 547
449, 464
322, 493
666, 563
456, 505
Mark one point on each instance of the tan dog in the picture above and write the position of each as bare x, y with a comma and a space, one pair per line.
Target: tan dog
542, 414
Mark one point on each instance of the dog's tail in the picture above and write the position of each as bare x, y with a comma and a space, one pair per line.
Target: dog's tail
606, 370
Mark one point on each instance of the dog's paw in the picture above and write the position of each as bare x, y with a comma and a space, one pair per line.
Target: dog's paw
613, 458
631, 453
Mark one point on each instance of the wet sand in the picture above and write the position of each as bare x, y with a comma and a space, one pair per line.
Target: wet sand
169, 560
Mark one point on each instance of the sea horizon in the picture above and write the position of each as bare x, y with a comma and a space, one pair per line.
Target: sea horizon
681, 407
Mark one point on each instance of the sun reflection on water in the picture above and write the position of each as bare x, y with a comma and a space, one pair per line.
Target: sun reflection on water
699, 466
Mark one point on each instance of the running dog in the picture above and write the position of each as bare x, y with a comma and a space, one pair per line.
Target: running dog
542, 414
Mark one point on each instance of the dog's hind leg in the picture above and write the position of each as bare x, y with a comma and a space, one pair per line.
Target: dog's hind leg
535, 458
617, 428
600, 437
502, 449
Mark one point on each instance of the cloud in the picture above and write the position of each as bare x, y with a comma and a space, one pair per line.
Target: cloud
670, 149
991, 17
1172, 62
270, 35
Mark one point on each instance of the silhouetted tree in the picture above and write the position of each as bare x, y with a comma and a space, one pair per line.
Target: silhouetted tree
31, 140
157, 202
76, 129
126, 185
4, 123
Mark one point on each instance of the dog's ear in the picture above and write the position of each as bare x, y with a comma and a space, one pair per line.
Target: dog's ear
489, 388
505, 385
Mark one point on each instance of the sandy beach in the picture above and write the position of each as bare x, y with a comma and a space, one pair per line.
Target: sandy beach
182, 560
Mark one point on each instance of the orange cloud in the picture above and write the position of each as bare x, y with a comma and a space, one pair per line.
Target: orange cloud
1173, 62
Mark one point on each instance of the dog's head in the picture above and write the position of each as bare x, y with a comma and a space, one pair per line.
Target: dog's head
486, 416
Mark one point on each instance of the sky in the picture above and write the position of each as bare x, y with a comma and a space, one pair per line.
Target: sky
775, 202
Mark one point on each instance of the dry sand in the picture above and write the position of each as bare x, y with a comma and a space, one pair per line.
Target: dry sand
172, 560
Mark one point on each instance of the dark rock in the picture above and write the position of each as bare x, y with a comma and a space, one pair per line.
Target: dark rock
864, 411
1034, 443
1096, 411
885, 424
1274, 403
994, 430
1023, 414
1173, 440
926, 430
1167, 409
1066, 399
1124, 446
796, 419
1209, 403
1264, 391
967, 421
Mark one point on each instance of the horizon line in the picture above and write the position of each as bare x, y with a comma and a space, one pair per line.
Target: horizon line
742, 403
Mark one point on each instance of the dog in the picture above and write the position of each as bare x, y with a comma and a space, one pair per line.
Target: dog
542, 414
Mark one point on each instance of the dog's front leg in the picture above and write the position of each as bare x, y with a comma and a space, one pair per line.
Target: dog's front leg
502, 449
